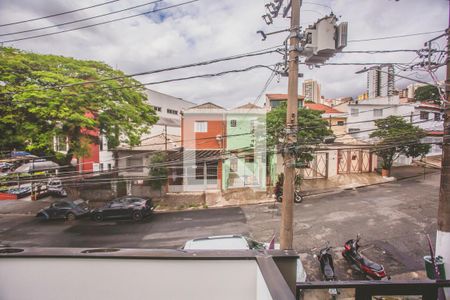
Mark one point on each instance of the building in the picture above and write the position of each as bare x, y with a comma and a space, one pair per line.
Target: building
198, 166
245, 156
380, 81
168, 109
336, 119
411, 89
165, 135
311, 91
362, 114
430, 118
275, 100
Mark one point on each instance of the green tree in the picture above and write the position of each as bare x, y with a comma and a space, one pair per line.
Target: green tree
396, 137
427, 93
312, 130
34, 111
158, 172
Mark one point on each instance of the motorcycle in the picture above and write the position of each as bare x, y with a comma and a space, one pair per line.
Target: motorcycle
298, 198
364, 265
327, 268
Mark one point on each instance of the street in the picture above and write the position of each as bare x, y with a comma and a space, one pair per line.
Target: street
392, 218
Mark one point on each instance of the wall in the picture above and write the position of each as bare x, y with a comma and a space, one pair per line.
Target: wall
97, 278
203, 140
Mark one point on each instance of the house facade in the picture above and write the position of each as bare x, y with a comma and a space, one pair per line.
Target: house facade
430, 118
198, 166
244, 163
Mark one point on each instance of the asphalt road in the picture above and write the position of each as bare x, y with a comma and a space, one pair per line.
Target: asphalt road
392, 218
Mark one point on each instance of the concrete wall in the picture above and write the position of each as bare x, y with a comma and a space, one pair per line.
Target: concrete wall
98, 278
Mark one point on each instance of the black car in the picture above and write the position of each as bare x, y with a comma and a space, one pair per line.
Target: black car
64, 209
124, 207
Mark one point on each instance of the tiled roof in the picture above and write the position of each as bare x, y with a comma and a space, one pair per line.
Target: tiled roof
248, 105
321, 107
206, 105
281, 97
435, 132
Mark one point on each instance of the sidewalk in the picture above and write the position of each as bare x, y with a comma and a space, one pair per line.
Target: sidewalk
352, 181
23, 207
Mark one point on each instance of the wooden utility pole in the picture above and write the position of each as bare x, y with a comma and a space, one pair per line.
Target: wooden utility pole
287, 213
443, 219
165, 137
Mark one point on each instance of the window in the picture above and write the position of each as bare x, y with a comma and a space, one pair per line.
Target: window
424, 115
437, 116
201, 126
211, 170
340, 123
135, 163
378, 112
101, 167
354, 112
61, 144
199, 171
249, 158
109, 167
233, 123
172, 111
353, 130
157, 108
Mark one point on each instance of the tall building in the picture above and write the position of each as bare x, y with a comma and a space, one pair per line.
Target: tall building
380, 81
311, 91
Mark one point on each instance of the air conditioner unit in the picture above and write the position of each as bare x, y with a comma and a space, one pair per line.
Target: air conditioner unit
341, 35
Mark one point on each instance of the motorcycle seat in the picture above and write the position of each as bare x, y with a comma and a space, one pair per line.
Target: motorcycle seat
328, 271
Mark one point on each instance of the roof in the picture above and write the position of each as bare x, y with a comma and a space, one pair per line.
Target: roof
429, 106
206, 105
248, 105
154, 143
281, 97
168, 121
194, 155
435, 132
321, 107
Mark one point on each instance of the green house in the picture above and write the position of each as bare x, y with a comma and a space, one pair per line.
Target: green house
244, 165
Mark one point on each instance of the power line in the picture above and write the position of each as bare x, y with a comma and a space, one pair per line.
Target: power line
80, 20
58, 14
395, 36
100, 23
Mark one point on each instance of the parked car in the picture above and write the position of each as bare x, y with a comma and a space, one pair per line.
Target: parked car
20, 191
125, 207
65, 209
55, 187
236, 242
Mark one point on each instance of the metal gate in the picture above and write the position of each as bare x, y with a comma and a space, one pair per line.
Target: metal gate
354, 161
317, 168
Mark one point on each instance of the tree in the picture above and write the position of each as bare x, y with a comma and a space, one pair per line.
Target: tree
426, 93
312, 130
34, 112
158, 172
396, 137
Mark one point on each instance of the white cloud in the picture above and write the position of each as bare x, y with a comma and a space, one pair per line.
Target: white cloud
209, 29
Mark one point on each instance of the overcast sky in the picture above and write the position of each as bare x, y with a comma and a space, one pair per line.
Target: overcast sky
210, 29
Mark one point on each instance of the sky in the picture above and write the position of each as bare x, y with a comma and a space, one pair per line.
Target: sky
209, 29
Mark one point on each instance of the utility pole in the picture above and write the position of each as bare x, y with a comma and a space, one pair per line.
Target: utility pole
287, 213
443, 219
165, 136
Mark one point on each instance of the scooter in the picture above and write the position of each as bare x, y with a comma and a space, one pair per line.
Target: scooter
364, 265
327, 268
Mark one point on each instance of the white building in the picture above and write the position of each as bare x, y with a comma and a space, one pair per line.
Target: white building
311, 91
429, 117
361, 114
380, 81
168, 109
